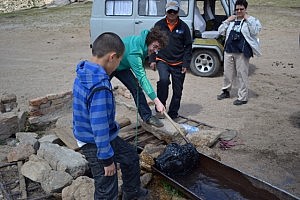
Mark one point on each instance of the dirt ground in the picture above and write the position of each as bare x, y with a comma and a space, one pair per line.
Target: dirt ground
41, 47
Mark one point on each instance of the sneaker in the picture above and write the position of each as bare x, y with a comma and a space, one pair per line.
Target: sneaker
224, 95
159, 115
176, 119
154, 121
142, 194
239, 102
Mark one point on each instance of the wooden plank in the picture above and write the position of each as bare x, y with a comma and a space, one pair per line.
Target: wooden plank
65, 134
124, 122
7, 164
22, 181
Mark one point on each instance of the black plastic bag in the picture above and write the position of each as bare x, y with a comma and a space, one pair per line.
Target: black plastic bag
177, 159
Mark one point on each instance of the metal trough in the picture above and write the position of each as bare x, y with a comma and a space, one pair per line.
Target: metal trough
213, 180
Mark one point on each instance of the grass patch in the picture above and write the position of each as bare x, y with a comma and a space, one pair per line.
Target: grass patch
171, 190
275, 3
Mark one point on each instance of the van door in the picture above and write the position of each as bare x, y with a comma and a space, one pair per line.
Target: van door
148, 13
112, 16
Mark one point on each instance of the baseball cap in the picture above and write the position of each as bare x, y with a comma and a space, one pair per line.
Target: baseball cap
172, 5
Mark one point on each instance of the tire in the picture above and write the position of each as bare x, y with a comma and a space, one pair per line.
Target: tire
205, 63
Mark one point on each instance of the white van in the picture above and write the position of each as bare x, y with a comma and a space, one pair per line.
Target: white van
130, 17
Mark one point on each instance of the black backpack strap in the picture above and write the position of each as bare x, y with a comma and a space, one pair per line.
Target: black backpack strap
94, 90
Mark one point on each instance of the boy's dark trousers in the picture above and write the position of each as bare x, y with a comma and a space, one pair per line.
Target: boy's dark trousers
106, 187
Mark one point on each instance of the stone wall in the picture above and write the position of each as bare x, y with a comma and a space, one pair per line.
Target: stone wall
7, 6
11, 119
44, 111
49, 104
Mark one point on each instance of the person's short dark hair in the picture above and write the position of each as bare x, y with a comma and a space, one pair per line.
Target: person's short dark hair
241, 3
108, 42
156, 34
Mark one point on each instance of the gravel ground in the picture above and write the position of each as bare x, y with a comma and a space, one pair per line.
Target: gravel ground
41, 47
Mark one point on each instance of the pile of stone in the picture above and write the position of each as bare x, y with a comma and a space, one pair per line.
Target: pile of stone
47, 160
51, 157
7, 6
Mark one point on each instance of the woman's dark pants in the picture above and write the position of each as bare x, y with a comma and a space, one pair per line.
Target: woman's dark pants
131, 82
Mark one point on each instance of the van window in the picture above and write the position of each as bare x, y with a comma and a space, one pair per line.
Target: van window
151, 7
157, 7
118, 7
184, 8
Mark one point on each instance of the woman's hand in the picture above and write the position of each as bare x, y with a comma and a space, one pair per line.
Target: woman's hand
231, 18
159, 106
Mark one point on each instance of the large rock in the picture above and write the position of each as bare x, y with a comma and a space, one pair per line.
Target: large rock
9, 125
4, 150
204, 137
63, 159
36, 169
22, 116
27, 138
149, 153
145, 179
52, 138
20, 152
39, 170
55, 181
81, 189
8, 102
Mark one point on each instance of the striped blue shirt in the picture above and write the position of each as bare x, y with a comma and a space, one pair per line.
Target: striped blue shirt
94, 120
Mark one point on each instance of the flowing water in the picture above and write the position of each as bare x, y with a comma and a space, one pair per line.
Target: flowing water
210, 182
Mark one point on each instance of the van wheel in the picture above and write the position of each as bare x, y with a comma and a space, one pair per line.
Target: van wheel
205, 63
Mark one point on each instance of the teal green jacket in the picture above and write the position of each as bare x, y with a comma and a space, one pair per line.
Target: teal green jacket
136, 51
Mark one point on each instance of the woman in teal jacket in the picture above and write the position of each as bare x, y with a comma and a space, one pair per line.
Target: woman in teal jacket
132, 74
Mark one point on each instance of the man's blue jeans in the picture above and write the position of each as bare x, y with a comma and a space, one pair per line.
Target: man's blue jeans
131, 82
106, 187
165, 71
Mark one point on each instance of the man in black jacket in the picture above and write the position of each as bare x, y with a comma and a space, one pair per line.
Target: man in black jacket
174, 59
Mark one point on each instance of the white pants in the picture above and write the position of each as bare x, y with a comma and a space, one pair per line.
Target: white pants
236, 65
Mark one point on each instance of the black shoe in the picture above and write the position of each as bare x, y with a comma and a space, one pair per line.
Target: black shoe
224, 95
154, 122
239, 102
176, 119
142, 194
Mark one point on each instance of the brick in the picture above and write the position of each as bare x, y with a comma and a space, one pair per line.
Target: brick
59, 95
8, 98
38, 101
